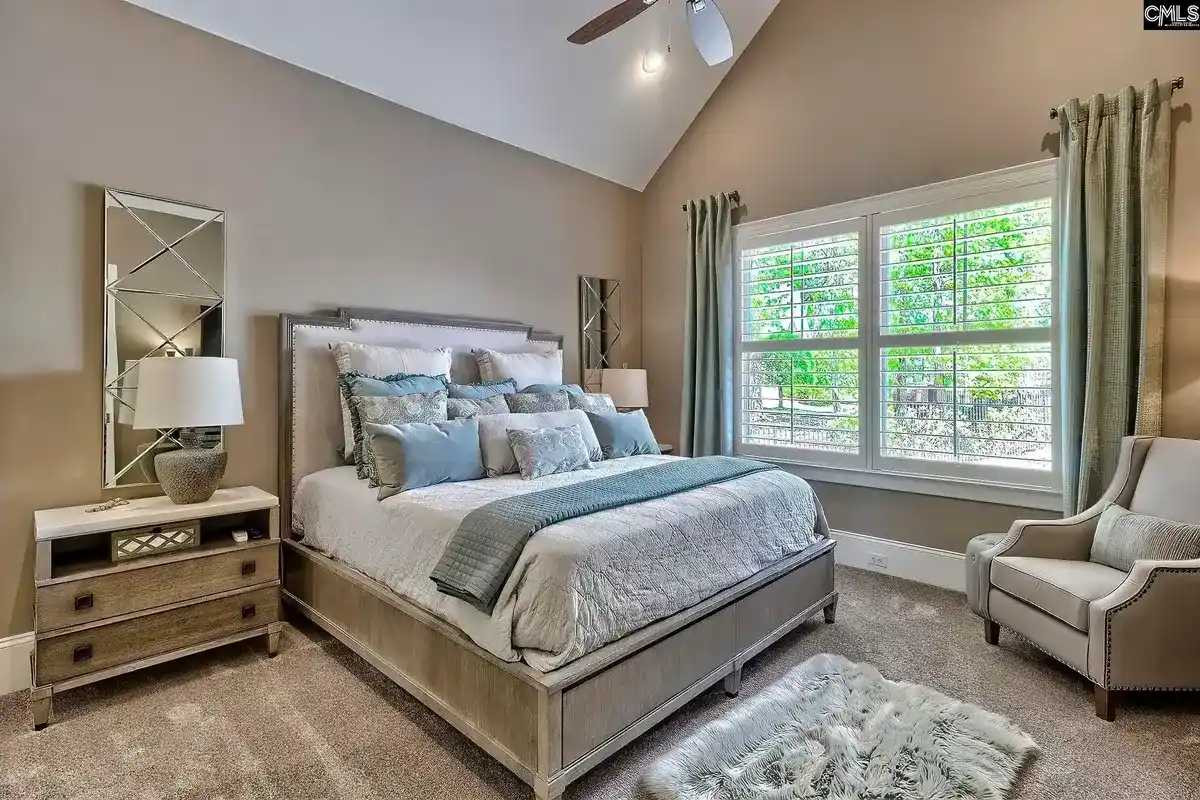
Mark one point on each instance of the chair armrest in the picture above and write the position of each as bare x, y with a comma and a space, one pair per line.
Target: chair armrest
1143, 635
1069, 538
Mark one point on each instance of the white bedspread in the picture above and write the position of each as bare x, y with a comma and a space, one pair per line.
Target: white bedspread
579, 584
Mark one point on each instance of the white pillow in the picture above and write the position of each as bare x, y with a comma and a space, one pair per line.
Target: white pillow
380, 362
525, 368
498, 455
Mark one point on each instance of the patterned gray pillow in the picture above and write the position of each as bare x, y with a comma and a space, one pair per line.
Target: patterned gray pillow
462, 408
547, 451
1123, 537
595, 403
424, 407
538, 403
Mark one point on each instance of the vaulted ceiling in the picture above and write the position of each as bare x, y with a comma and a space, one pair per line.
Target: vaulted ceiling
501, 68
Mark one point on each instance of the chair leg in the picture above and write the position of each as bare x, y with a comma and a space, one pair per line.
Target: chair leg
991, 632
1106, 704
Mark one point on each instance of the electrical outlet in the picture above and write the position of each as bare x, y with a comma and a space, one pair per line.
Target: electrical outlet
877, 560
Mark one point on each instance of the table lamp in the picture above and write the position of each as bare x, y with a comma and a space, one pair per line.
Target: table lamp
188, 392
626, 387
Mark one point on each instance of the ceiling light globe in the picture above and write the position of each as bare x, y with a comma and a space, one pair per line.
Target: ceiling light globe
653, 61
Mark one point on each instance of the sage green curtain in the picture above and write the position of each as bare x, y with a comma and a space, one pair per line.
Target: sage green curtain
708, 329
1114, 180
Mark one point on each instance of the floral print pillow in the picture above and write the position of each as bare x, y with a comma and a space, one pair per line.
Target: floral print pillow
547, 451
463, 408
538, 403
424, 407
595, 403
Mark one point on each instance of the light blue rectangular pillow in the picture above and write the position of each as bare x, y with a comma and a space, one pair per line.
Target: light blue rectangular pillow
623, 435
419, 454
482, 391
547, 388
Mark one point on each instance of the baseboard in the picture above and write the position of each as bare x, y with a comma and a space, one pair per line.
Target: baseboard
911, 561
14, 662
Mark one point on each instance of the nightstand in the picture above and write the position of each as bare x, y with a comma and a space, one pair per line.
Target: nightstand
96, 617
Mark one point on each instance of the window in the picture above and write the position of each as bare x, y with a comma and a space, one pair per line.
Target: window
910, 338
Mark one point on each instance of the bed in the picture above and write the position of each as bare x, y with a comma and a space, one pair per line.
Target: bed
610, 622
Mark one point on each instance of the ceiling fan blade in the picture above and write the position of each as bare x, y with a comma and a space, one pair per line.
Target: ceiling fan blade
609, 21
709, 31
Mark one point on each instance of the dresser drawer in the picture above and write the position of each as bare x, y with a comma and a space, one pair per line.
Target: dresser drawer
70, 655
137, 588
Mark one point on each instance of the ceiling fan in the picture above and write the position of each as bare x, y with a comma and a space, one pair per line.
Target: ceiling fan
709, 31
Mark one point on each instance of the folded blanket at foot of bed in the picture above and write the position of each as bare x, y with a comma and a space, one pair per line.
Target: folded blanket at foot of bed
484, 551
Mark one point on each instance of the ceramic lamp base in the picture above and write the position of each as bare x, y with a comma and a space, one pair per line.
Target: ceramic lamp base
190, 475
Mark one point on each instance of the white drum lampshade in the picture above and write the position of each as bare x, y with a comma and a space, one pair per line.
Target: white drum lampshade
626, 387
188, 392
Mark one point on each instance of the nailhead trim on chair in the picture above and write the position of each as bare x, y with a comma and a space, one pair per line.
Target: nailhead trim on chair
1108, 636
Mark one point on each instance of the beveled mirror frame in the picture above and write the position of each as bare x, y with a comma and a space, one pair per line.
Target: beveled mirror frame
115, 394
599, 327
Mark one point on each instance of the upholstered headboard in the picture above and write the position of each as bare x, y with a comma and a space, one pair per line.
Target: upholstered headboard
311, 422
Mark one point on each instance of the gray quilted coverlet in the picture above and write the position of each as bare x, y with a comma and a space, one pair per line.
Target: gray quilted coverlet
484, 551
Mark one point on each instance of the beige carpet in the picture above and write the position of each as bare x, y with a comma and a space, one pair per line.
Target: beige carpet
317, 722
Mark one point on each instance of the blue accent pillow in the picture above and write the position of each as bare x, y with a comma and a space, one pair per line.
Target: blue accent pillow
623, 435
482, 391
547, 388
418, 454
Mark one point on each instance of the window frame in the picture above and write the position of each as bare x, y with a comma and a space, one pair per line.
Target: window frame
1011, 486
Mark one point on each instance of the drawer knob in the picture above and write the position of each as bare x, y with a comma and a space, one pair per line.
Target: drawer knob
249, 567
82, 653
83, 601
248, 611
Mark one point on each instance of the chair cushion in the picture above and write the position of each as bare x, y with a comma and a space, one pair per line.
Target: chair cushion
1063, 589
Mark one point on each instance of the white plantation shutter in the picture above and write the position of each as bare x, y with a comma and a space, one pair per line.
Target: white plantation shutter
798, 386
915, 335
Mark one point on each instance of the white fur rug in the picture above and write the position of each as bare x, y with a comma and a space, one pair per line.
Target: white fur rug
837, 730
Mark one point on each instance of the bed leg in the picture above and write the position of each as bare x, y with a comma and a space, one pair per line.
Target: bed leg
733, 682
831, 611
544, 790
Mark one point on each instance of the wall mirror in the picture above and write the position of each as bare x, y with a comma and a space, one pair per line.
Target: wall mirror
164, 291
599, 327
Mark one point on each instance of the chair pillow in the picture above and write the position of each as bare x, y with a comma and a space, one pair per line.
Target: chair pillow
426, 407
548, 451
478, 391
415, 454
623, 435
498, 456
526, 369
1123, 537
595, 403
461, 408
538, 403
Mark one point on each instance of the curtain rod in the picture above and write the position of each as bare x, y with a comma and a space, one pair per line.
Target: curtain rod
735, 196
1175, 86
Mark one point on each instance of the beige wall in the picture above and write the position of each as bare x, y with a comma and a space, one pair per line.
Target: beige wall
333, 198
829, 105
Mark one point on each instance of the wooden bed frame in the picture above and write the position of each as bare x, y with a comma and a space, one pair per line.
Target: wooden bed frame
548, 728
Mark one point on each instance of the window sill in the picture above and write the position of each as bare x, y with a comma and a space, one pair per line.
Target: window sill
978, 491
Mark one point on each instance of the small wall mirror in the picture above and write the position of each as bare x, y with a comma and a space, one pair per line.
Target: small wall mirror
599, 327
164, 292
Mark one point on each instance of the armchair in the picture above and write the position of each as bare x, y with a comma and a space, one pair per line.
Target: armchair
1123, 631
